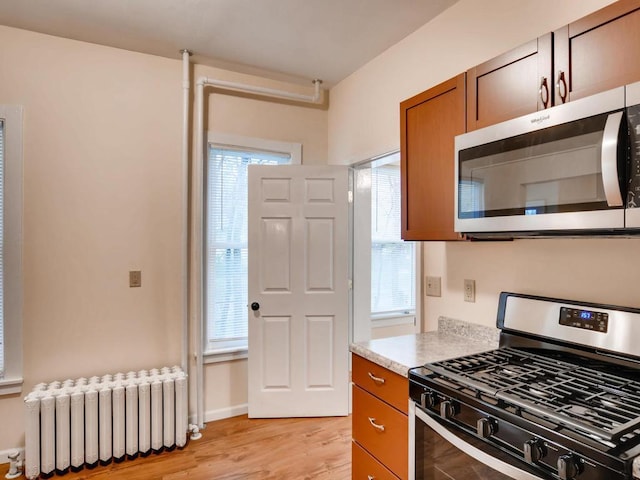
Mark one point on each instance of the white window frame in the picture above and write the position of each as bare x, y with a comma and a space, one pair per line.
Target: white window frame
364, 320
398, 317
11, 382
233, 350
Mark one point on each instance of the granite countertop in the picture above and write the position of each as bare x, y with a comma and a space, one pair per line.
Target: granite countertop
454, 338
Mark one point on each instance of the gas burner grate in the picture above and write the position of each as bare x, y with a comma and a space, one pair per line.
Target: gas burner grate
585, 399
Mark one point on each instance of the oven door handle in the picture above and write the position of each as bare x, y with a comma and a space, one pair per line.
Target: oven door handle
609, 160
472, 451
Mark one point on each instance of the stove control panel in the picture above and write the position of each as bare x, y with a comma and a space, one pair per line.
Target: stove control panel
585, 319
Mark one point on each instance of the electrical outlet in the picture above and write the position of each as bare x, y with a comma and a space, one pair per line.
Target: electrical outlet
135, 278
433, 288
469, 290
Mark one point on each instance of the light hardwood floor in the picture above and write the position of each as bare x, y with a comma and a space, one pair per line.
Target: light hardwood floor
242, 449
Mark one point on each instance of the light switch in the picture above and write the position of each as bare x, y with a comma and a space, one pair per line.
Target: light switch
135, 278
433, 287
469, 290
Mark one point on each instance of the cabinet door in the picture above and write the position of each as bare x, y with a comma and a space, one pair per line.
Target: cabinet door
516, 83
428, 124
598, 52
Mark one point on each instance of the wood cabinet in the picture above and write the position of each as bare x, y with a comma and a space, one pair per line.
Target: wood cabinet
513, 84
428, 124
380, 426
598, 52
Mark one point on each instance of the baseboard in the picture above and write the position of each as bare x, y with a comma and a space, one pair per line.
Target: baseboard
4, 454
222, 413
233, 411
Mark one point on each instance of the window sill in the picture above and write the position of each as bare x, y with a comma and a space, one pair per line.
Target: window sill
393, 320
11, 386
226, 355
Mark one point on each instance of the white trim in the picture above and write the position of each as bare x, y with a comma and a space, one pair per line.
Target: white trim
418, 292
10, 386
363, 319
222, 413
361, 258
261, 144
228, 412
225, 356
13, 198
4, 454
393, 320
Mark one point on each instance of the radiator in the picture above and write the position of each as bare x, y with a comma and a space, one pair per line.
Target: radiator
86, 422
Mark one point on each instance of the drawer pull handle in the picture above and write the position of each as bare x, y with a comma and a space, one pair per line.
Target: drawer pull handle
373, 423
376, 379
371, 477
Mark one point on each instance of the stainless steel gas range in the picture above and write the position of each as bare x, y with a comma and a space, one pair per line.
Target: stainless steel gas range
559, 399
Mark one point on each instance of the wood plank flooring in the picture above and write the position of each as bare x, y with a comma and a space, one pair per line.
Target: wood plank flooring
242, 449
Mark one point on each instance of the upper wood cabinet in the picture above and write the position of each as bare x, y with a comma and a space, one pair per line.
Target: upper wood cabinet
598, 52
428, 124
514, 84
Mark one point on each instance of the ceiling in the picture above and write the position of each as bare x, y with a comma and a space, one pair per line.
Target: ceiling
294, 40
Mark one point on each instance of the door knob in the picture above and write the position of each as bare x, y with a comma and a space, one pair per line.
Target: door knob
255, 306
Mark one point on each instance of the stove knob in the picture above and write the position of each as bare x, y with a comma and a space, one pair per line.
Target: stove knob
447, 409
534, 450
429, 399
485, 427
569, 467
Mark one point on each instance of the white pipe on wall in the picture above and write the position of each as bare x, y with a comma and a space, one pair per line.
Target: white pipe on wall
316, 98
197, 254
186, 82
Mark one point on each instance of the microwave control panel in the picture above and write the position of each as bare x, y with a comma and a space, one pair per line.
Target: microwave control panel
633, 193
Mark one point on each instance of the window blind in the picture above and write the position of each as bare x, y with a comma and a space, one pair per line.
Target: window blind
1, 248
226, 243
392, 260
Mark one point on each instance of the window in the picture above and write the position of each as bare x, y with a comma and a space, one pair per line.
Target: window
10, 249
393, 269
226, 286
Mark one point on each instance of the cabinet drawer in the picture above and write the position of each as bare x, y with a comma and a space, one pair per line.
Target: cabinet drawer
365, 467
383, 383
381, 430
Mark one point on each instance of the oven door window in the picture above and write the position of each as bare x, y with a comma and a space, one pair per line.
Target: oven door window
437, 458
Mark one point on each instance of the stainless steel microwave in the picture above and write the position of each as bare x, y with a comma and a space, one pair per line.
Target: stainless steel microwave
573, 169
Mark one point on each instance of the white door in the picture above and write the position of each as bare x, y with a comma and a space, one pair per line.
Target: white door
298, 286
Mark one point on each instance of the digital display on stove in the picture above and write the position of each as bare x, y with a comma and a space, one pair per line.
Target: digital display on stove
585, 319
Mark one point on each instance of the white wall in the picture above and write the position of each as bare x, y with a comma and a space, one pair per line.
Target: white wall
364, 122
102, 196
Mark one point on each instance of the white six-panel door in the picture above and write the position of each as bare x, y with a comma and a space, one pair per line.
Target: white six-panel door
298, 281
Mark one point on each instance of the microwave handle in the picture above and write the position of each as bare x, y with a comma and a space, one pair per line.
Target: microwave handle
609, 160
